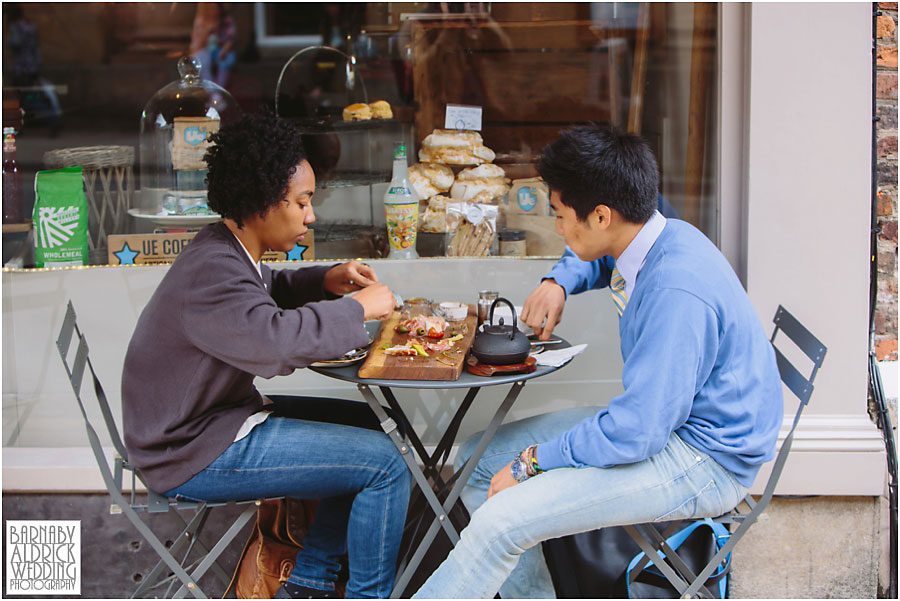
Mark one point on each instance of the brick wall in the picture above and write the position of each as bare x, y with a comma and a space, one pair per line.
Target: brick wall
886, 170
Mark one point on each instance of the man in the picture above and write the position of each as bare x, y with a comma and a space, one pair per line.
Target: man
702, 402
197, 427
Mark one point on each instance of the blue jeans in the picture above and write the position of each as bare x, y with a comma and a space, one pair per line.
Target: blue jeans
357, 473
500, 550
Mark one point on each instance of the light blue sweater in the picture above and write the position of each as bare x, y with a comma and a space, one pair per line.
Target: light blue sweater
697, 363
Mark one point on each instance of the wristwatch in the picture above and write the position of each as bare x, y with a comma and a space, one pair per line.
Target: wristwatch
519, 469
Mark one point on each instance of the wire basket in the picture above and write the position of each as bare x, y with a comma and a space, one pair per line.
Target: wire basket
108, 173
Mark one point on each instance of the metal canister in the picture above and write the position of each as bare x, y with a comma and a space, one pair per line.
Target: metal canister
485, 299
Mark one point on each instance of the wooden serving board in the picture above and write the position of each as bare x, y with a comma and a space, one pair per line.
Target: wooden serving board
390, 367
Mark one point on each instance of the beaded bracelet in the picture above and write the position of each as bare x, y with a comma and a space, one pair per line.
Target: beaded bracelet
531, 463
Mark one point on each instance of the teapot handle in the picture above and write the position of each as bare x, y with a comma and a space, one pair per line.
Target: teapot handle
512, 309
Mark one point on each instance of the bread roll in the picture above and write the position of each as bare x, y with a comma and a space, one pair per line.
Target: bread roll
357, 112
430, 179
381, 110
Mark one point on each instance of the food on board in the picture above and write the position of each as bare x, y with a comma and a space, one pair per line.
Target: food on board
427, 336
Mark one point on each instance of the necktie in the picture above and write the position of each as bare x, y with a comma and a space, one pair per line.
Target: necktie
617, 290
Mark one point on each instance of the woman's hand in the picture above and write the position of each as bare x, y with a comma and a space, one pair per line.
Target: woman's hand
501, 480
349, 277
377, 301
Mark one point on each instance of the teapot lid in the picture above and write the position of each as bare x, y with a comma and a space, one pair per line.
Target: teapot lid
498, 328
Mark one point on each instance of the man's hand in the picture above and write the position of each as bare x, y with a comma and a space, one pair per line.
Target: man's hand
543, 308
502, 479
349, 277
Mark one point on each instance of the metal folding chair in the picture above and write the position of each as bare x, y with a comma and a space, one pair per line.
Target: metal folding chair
196, 559
653, 543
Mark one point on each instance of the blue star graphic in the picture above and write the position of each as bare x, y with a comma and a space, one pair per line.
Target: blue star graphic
296, 253
126, 255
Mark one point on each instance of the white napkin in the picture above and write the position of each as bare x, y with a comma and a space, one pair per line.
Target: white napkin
560, 357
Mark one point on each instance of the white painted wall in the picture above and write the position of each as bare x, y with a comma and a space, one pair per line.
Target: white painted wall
808, 191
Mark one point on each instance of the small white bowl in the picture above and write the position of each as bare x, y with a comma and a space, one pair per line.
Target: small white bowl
452, 310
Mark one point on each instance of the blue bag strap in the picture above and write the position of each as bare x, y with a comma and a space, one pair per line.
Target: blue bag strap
721, 534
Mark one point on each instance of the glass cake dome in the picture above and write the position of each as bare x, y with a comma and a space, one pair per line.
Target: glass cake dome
175, 127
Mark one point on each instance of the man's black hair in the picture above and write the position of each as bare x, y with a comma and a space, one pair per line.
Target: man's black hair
250, 163
599, 164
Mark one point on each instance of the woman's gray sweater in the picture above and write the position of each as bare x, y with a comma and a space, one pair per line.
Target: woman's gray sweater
211, 327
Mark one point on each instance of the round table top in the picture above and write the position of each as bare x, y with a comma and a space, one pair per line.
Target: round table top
465, 380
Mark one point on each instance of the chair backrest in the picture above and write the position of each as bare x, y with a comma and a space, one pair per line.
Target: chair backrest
75, 369
812, 347
797, 383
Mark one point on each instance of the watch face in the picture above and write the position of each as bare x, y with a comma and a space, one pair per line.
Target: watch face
517, 469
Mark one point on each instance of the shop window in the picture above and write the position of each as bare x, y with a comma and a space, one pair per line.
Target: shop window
533, 69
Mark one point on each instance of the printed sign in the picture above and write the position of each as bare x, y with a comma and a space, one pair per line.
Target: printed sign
162, 249
462, 116
43, 557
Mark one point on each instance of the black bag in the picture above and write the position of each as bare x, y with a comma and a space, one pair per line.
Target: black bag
593, 565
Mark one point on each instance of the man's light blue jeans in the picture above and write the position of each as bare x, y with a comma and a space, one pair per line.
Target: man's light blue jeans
356, 472
500, 548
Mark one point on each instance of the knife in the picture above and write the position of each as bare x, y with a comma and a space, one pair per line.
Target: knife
542, 342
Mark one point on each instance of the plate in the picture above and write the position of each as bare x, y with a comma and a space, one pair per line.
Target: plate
347, 359
175, 220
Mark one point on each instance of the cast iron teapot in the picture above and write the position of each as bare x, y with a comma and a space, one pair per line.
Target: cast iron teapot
501, 344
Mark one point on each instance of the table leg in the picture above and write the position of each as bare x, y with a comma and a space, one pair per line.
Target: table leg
390, 428
431, 470
467, 470
443, 447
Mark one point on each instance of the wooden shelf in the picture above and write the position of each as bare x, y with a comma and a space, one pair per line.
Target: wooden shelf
14, 228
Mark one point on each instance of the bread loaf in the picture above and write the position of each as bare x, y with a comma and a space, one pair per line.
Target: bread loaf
435, 219
482, 184
430, 179
452, 147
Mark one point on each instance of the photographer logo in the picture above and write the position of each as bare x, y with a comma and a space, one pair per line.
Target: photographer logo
43, 557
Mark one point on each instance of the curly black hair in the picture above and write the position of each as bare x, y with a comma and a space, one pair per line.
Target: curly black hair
250, 163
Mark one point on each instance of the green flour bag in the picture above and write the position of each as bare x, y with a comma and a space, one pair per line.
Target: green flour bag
60, 218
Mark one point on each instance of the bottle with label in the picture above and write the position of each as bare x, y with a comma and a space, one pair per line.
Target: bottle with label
12, 179
401, 210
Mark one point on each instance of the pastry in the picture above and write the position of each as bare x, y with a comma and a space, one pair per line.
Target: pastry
430, 179
452, 147
357, 112
381, 110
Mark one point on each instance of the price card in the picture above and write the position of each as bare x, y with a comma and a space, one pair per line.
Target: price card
462, 116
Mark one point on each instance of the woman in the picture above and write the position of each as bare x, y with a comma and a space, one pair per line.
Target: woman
196, 426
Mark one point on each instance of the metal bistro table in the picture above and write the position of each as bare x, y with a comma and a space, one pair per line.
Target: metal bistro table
430, 467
